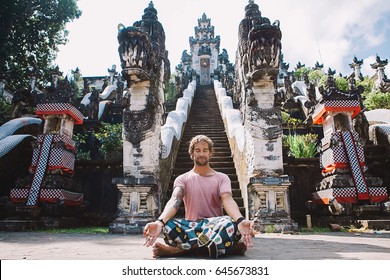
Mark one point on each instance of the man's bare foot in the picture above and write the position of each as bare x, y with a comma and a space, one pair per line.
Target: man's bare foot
163, 250
238, 248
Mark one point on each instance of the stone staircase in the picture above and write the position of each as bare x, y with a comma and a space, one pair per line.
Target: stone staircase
205, 118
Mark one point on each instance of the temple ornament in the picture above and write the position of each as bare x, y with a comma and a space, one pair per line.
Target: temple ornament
346, 187
382, 83
54, 152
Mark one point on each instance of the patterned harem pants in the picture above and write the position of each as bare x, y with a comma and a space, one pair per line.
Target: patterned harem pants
217, 233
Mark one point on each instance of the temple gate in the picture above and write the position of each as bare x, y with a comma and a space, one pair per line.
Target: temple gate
204, 50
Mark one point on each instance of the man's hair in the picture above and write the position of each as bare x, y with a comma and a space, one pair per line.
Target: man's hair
197, 139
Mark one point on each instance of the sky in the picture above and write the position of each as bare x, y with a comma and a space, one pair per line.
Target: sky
330, 32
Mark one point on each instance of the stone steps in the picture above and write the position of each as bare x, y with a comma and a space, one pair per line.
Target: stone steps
205, 118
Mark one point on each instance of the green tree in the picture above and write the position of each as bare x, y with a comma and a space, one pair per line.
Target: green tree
300, 72
30, 33
4, 111
342, 83
315, 76
77, 83
110, 139
377, 100
367, 83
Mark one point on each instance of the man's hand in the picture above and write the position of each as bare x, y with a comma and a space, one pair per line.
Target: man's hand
151, 232
247, 232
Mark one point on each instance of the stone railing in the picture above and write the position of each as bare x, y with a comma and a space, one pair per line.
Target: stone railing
171, 133
173, 126
260, 194
236, 134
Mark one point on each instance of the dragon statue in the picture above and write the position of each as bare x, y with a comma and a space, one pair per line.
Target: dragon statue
146, 69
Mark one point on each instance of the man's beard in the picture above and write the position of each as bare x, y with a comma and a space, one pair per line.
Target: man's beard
201, 163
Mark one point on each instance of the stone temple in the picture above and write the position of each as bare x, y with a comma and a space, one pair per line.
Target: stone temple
109, 158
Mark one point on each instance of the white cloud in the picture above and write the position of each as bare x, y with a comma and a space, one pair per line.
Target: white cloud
366, 68
329, 31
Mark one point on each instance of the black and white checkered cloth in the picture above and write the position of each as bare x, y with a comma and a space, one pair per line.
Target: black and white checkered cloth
62, 153
59, 158
377, 191
357, 173
57, 138
344, 192
40, 171
49, 195
336, 105
335, 152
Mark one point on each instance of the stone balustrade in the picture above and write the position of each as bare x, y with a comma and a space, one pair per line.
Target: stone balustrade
173, 126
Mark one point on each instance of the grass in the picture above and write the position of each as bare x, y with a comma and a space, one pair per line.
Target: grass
314, 229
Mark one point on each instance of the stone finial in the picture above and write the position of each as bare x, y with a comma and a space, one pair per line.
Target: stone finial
150, 12
379, 63
331, 72
261, 42
112, 72
318, 66
356, 62
252, 11
299, 65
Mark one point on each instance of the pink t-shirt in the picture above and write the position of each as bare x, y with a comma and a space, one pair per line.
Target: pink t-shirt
202, 194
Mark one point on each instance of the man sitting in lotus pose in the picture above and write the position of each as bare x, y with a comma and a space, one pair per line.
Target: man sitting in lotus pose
205, 193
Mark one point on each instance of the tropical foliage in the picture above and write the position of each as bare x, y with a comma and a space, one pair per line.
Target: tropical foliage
107, 141
301, 146
372, 99
110, 140
377, 100
81, 150
4, 110
30, 33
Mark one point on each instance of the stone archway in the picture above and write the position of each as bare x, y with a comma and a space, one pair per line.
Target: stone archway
205, 71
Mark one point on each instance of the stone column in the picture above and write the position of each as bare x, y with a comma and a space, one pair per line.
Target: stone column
142, 53
257, 68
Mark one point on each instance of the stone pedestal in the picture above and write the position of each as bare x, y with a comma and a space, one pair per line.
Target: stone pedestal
269, 204
137, 205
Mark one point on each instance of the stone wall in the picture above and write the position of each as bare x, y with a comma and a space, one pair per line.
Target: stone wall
304, 173
101, 196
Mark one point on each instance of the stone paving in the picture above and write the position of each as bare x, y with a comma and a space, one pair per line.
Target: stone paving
269, 246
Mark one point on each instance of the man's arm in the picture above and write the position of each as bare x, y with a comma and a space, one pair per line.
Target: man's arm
245, 226
152, 230
230, 206
172, 205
